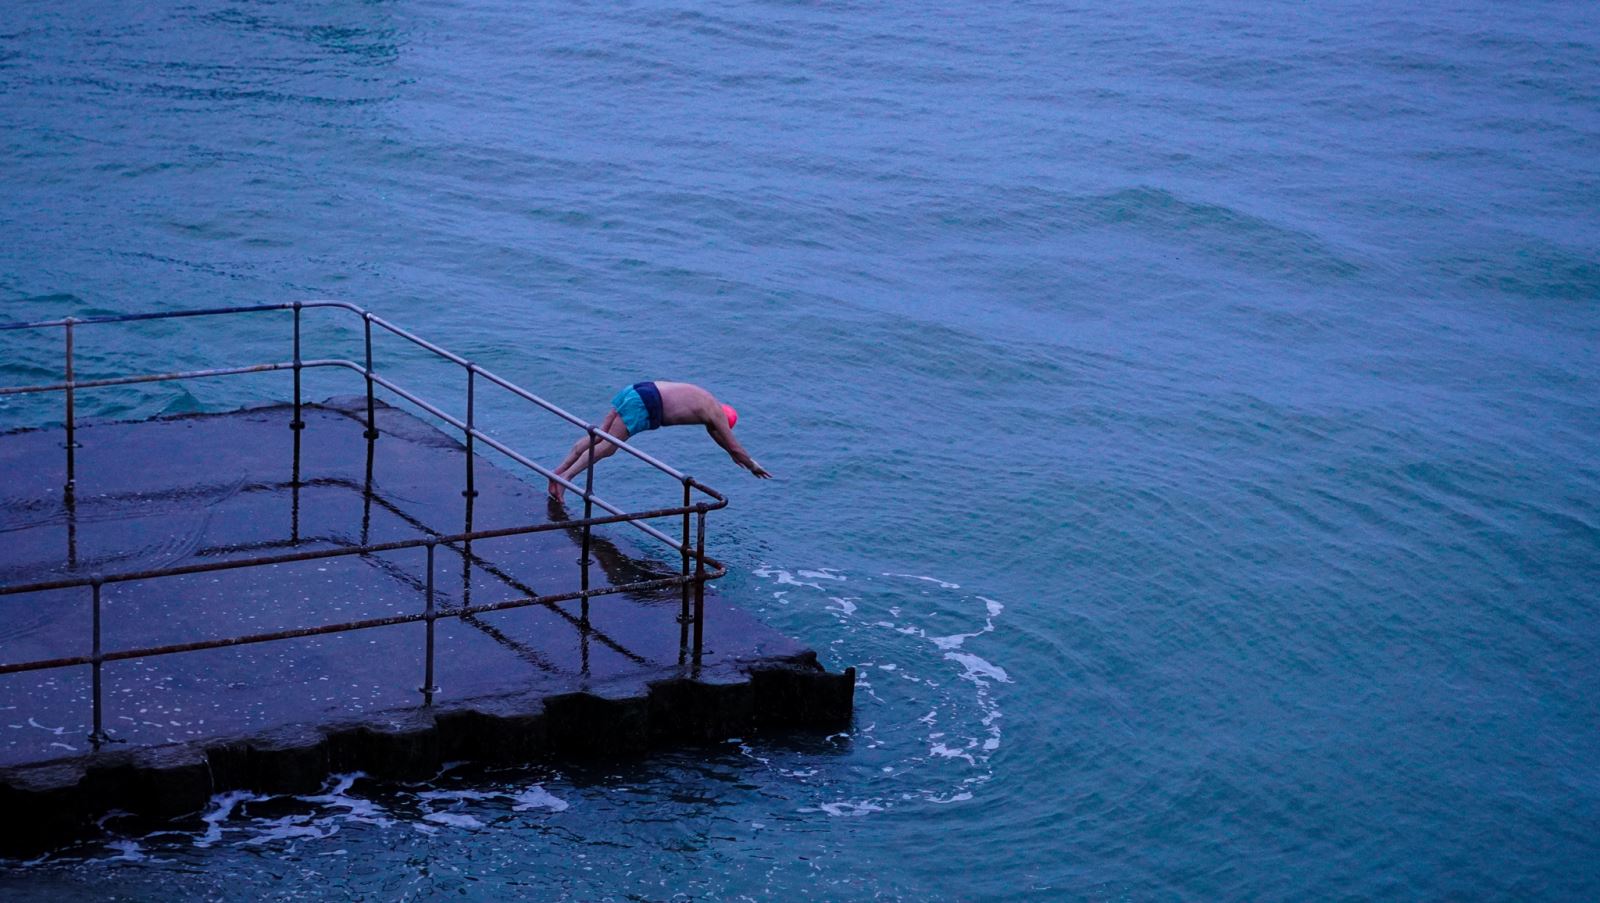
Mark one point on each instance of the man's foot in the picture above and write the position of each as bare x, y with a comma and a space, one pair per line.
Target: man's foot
555, 511
557, 490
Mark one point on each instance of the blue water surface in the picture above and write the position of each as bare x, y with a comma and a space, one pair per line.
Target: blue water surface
1185, 415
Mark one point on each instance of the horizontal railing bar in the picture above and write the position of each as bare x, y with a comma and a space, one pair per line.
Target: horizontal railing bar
315, 554
529, 396
525, 461
394, 387
383, 381
165, 315
178, 314
635, 519
349, 626
525, 394
517, 390
519, 458
416, 339
165, 377
499, 446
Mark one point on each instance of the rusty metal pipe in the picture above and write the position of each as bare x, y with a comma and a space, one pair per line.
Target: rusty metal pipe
428, 688
314, 554
72, 418
364, 624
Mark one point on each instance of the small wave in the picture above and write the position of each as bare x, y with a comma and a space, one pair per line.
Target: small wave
1223, 232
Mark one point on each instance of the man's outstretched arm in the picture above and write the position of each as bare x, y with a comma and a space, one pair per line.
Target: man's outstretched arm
724, 437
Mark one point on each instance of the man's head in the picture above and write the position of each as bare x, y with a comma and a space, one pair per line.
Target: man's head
733, 416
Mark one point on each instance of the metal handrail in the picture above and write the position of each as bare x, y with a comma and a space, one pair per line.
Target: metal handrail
315, 554
69, 322
471, 433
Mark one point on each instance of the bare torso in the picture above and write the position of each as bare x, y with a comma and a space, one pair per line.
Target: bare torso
686, 403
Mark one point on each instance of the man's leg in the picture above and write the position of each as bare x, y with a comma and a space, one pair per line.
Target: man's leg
577, 449
578, 458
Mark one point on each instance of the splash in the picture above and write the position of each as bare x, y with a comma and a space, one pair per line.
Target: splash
932, 687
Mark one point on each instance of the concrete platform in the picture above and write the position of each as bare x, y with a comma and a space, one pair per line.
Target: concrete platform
278, 716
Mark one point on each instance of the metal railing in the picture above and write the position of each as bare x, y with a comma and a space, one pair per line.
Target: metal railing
691, 578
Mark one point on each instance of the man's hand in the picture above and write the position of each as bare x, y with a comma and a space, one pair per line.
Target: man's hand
759, 471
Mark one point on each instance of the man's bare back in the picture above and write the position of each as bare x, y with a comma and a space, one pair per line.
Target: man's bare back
650, 405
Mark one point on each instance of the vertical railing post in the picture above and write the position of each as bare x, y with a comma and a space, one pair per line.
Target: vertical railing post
466, 558
372, 427
366, 494
699, 584
70, 503
588, 512
472, 371
297, 423
428, 688
72, 419
294, 496
683, 614
98, 735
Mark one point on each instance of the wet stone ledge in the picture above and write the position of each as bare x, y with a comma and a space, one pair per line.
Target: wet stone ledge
48, 804
545, 682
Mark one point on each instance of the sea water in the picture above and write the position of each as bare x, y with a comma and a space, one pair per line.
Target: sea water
1184, 415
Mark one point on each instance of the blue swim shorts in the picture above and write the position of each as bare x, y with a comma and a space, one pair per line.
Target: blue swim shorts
639, 406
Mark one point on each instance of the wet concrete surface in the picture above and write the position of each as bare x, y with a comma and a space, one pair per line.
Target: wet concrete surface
181, 490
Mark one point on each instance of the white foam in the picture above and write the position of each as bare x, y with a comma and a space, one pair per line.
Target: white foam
453, 819
537, 797
222, 807
821, 574
850, 809
114, 813
948, 752
954, 640
457, 795
290, 827
356, 808
785, 578
978, 668
968, 746
943, 584
129, 849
